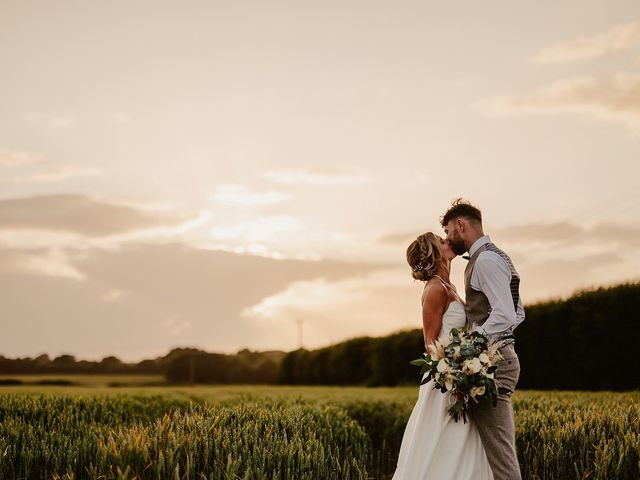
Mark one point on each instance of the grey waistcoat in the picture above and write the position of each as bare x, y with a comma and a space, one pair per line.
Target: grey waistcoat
477, 305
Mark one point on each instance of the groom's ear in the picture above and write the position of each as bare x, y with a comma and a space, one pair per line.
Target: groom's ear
461, 225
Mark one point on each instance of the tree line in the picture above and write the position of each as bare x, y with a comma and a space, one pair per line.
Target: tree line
244, 367
180, 365
68, 364
586, 342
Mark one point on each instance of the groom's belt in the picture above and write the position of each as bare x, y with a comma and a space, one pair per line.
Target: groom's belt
506, 339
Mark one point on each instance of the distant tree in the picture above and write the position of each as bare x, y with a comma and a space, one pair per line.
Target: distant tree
286, 371
148, 367
111, 364
42, 360
218, 368
64, 360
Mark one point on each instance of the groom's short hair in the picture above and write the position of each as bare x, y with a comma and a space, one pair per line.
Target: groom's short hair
461, 208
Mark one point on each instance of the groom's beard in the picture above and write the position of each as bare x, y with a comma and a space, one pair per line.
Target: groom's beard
457, 245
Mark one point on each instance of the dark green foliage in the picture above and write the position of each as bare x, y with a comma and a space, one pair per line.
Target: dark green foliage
587, 342
202, 367
180, 365
67, 364
364, 361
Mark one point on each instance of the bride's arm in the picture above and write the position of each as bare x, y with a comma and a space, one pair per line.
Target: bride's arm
435, 300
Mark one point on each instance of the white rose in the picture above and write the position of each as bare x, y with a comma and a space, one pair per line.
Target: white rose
476, 365
445, 341
471, 366
476, 391
442, 366
484, 358
448, 382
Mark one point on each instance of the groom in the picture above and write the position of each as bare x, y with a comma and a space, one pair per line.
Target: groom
493, 308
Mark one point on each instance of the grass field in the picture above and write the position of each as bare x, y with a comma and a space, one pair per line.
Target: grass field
259, 432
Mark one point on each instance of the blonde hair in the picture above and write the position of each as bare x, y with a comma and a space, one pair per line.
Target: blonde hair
423, 256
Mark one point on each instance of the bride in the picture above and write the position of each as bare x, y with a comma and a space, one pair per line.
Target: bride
433, 445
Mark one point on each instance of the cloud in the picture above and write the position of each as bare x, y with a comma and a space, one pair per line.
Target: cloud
143, 299
58, 174
547, 234
53, 121
32, 238
259, 249
52, 262
148, 206
123, 118
175, 326
555, 259
615, 98
326, 177
618, 38
204, 292
114, 295
571, 234
241, 195
300, 297
62, 121
77, 214
258, 230
376, 303
399, 238
560, 277
17, 158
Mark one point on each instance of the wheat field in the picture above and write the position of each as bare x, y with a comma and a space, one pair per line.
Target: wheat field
273, 432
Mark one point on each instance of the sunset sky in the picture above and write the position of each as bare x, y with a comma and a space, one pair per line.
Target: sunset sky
206, 173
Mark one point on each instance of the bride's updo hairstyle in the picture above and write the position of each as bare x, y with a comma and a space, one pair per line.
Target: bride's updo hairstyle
423, 256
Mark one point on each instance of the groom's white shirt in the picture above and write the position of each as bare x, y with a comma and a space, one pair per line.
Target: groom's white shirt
492, 276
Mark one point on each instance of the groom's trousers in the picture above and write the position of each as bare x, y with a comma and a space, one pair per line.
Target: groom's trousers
496, 424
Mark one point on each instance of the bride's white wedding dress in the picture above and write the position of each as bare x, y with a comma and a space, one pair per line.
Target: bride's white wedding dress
433, 445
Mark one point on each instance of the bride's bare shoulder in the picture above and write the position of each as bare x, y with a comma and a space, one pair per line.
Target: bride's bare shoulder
434, 293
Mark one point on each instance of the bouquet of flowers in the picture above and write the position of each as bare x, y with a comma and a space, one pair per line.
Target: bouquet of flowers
462, 363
